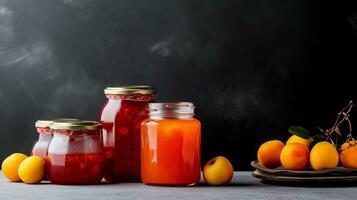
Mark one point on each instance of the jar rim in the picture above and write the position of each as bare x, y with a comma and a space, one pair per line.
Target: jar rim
171, 110
76, 125
43, 123
130, 89
47, 123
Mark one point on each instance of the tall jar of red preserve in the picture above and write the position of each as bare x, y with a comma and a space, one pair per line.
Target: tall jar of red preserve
75, 154
121, 117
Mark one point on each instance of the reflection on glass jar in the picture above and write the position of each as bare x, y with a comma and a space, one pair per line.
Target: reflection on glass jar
170, 145
75, 154
44, 138
121, 117
45, 135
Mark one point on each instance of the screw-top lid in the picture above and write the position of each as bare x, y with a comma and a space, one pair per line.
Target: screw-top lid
171, 110
47, 123
75, 125
133, 89
43, 123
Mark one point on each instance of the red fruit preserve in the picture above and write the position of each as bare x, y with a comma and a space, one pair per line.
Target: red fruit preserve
121, 117
79, 168
45, 136
75, 154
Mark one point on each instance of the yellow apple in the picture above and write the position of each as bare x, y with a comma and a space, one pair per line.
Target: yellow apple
218, 171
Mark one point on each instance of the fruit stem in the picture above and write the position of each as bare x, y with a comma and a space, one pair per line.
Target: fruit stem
342, 116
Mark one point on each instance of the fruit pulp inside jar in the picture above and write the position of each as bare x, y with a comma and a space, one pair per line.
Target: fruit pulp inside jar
121, 118
41, 146
75, 168
170, 152
109, 165
107, 118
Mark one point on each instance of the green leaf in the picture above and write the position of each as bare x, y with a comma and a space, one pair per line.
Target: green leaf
299, 131
316, 139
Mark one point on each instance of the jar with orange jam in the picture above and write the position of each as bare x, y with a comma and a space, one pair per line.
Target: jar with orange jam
170, 145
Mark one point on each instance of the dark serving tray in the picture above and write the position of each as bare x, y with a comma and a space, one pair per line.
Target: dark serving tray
306, 181
308, 173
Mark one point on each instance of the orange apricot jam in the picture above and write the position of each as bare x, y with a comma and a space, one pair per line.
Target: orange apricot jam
170, 145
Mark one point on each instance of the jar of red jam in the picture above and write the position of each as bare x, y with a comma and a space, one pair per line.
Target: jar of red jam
45, 136
75, 154
170, 145
121, 116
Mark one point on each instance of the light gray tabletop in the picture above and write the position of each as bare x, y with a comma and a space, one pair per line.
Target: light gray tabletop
244, 186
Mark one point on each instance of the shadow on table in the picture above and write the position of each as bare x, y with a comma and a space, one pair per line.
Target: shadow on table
202, 185
230, 185
312, 184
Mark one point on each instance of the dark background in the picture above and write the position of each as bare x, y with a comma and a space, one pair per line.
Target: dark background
252, 67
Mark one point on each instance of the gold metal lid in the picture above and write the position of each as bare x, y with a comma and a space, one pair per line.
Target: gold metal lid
75, 125
43, 123
47, 123
133, 89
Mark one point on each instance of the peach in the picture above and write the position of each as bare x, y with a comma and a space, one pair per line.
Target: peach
10, 166
324, 156
348, 156
269, 153
295, 156
218, 171
32, 169
295, 138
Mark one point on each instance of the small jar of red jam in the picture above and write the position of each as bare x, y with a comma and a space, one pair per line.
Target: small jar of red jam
170, 145
45, 136
75, 154
121, 116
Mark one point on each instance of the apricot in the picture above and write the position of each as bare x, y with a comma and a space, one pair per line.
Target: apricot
218, 171
324, 156
347, 145
295, 138
269, 153
295, 156
348, 156
10, 166
32, 169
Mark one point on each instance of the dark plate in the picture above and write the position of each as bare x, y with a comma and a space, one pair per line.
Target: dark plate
280, 171
306, 181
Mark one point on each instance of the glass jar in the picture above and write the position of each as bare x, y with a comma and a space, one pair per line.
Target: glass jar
75, 154
45, 136
121, 117
170, 145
